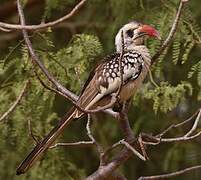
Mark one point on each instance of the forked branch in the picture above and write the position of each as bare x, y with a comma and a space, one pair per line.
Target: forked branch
5, 26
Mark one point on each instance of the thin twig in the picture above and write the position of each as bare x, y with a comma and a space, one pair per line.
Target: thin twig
187, 136
44, 25
14, 105
152, 79
168, 40
74, 144
178, 125
31, 132
88, 128
169, 175
142, 147
132, 149
99, 147
165, 140
11, 52
194, 125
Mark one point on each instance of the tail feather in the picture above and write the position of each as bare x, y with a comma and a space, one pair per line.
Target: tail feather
40, 148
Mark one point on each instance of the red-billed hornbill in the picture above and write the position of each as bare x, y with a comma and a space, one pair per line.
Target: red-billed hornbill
105, 80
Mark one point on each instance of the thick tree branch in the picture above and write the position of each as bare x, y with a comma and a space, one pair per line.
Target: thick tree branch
44, 25
14, 105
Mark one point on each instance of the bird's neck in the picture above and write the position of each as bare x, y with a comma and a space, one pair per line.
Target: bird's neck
142, 49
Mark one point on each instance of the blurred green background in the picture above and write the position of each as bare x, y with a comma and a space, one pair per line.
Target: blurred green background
69, 50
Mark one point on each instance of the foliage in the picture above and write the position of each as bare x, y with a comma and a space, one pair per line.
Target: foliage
166, 97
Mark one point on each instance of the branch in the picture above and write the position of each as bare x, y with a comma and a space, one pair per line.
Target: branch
4, 29
194, 125
99, 147
103, 172
168, 40
135, 152
125, 154
31, 134
164, 176
98, 109
165, 140
74, 144
19, 98
178, 125
35, 59
155, 140
106, 170
45, 25
186, 137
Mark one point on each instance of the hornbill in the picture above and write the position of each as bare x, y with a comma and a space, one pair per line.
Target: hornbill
105, 81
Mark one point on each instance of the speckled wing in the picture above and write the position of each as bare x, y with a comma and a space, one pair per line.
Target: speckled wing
91, 91
106, 79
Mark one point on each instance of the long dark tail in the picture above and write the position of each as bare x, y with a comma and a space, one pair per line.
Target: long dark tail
40, 148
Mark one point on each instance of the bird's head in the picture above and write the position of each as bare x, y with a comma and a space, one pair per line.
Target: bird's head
134, 34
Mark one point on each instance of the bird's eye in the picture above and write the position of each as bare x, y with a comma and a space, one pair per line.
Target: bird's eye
130, 33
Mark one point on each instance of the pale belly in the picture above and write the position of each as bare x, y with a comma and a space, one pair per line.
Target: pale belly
130, 88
